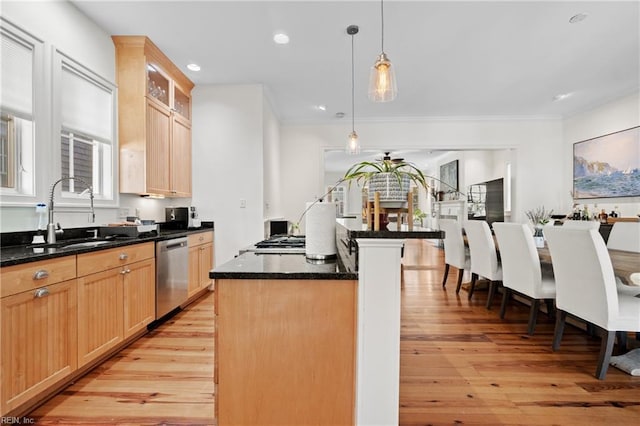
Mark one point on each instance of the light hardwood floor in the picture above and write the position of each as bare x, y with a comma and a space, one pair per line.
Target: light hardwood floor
460, 364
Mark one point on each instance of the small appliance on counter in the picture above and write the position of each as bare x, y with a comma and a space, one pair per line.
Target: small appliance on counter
183, 217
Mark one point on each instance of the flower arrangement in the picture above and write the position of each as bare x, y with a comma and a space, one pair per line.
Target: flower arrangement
539, 216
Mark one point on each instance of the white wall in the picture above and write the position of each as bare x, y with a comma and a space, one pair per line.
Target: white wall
59, 25
537, 174
271, 163
617, 115
227, 134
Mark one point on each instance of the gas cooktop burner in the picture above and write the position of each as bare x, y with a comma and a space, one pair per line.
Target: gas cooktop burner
282, 241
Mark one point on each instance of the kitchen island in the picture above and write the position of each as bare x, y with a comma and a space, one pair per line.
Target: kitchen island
301, 343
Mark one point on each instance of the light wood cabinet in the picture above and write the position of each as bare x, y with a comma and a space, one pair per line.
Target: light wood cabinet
154, 114
200, 261
294, 342
116, 297
139, 296
39, 328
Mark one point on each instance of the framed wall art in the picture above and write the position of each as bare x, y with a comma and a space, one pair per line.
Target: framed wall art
607, 166
449, 176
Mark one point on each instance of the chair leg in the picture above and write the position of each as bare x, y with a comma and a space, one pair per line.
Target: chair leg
446, 274
561, 316
493, 286
606, 348
474, 278
551, 310
533, 316
622, 341
505, 298
460, 274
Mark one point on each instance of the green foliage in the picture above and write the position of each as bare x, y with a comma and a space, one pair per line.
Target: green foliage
363, 172
539, 216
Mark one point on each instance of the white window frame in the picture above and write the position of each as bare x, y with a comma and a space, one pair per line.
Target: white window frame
107, 195
12, 196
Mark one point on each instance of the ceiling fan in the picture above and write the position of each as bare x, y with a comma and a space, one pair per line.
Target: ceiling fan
387, 157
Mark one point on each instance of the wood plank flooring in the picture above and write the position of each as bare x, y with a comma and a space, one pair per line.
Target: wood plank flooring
460, 364
166, 377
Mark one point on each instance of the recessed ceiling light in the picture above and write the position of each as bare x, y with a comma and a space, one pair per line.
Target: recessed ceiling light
281, 38
194, 67
561, 96
321, 107
578, 18
339, 114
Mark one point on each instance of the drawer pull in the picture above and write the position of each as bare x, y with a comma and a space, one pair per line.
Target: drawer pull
123, 272
124, 256
41, 274
41, 292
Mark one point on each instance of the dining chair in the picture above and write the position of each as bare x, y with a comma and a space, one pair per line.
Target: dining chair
625, 236
521, 271
484, 258
586, 288
455, 253
582, 224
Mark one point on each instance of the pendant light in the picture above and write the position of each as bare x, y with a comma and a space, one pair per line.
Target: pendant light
353, 144
382, 80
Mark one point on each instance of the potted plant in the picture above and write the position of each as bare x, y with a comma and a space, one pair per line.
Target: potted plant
418, 216
539, 217
390, 177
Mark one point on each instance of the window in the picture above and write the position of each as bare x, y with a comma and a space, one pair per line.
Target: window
86, 130
17, 170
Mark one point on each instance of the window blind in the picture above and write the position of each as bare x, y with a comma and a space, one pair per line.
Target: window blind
86, 106
16, 76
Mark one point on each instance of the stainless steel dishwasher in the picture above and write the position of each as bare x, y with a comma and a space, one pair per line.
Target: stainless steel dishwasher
172, 274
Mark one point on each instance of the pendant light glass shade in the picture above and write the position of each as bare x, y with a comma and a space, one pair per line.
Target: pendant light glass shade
353, 143
382, 80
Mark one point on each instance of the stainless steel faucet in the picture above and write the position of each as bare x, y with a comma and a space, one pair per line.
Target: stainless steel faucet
52, 230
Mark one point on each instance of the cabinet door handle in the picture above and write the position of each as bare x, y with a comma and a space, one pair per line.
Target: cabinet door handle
124, 256
41, 274
128, 271
41, 292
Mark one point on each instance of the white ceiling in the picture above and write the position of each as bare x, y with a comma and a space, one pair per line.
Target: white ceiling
453, 58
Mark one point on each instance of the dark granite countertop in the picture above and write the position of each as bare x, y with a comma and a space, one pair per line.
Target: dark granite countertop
256, 266
354, 229
26, 252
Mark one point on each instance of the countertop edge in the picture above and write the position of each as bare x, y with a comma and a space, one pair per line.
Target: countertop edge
56, 253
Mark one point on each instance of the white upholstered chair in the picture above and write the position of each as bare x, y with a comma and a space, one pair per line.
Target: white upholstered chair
521, 271
484, 259
455, 253
586, 288
625, 236
582, 224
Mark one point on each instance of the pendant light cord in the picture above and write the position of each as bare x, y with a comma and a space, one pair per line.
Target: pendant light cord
382, 23
353, 118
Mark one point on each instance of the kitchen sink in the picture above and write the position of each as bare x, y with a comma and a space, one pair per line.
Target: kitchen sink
86, 244
71, 244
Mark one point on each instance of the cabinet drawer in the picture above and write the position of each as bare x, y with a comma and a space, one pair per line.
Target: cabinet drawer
102, 260
25, 277
200, 238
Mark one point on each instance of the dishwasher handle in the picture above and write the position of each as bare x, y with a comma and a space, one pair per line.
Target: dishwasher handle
173, 244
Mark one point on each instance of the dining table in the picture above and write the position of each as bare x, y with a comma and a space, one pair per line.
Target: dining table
624, 263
